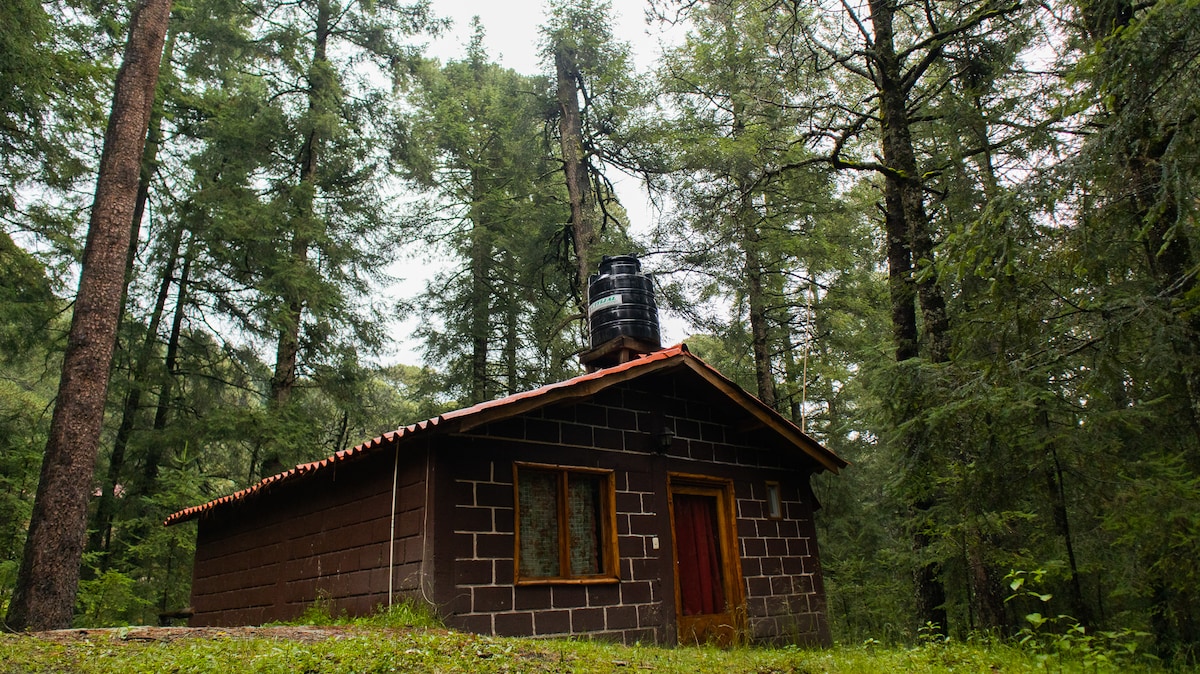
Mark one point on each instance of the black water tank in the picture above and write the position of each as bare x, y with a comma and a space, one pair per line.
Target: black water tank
621, 302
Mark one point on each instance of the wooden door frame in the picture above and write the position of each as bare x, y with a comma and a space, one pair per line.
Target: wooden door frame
731, 558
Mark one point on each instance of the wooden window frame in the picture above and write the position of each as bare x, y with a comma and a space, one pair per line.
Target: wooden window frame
774, 498
607, 518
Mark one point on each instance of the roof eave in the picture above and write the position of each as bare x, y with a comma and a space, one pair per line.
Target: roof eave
583, 386
824, 458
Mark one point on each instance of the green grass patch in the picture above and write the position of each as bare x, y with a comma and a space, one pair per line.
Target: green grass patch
405, 614
362, 648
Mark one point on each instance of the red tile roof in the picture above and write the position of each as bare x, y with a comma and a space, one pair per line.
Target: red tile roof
502, 408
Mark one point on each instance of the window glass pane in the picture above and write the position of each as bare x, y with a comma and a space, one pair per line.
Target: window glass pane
774, 504
538, 493
583, 499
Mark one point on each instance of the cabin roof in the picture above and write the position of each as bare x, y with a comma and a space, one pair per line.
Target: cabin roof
582, 386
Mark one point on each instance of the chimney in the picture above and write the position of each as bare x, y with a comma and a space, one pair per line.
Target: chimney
622, 316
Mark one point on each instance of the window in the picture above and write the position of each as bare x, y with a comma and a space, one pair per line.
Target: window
774, 502
566, 524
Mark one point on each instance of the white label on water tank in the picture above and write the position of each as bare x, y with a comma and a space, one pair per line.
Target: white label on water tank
605, 303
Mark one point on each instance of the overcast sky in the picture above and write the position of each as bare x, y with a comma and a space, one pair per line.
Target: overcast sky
512, 38
512, 30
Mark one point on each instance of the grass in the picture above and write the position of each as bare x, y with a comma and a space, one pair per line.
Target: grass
406, 640
369, 650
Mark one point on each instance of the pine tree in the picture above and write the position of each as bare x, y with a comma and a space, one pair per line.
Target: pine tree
476, 141
595, 91
45, 594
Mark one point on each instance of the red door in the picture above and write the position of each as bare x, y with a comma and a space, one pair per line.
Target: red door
701, 586
707, 575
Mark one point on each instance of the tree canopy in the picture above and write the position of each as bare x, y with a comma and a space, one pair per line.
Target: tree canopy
953, 240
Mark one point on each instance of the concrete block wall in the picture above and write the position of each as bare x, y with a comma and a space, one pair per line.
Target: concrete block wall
780, 566
618, 429
324, 538
488, 601
328, 536
785, 595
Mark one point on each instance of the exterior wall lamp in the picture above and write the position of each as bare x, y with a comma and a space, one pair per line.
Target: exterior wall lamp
666, 437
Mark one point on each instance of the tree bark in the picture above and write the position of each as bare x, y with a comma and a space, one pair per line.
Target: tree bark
760, 339
44, 597
481, 295
1062, 523
101, 531
287, 350
171, 371
511, 343
575, 169
989, 600
1155, 209
909, 245
106, 507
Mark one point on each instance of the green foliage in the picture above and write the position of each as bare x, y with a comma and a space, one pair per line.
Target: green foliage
1061, 639
407, 614
27, 301
109, 600
320, 612
51, 97
27, 387
614, 97
1060, 433
498, 321
357, 649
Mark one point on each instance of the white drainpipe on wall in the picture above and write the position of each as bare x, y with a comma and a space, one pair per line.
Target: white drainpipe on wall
392, 533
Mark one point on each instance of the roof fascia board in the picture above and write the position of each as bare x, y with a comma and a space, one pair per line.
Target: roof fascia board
767, 416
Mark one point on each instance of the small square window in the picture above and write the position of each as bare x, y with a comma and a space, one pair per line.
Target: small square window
566, 524
774, 501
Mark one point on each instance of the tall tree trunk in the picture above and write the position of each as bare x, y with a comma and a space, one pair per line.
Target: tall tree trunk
795, 371
989, 600
1062, 523
101, 529
1151, 202
510, 346
149, 166
481, 296
901, 293
171, 371
44, 597
909, 245
748, 227
1155, 210
288, 347
760, 338
575, 168
106, 507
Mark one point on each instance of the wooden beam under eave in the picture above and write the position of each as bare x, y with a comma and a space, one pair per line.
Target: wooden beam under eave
769, 418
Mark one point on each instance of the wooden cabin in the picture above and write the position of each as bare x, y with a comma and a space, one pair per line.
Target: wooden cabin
650, 500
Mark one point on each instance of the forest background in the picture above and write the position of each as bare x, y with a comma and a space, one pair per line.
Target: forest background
954, 240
